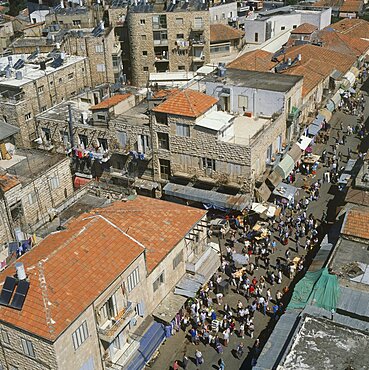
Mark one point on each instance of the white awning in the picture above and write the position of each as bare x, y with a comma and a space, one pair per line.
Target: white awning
168, 307
304, 142
285, 166
349, 76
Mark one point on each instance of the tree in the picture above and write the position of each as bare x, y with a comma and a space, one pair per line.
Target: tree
15, 6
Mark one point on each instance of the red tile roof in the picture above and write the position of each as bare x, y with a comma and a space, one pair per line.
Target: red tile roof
8, 181
351, 6
79, 263
110, 102
188, 103
354, 27
304, 28
316, 64
256, 60
222, 32
356, 223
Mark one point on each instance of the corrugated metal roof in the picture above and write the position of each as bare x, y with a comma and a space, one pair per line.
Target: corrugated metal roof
7, 130
236, 202
354, 301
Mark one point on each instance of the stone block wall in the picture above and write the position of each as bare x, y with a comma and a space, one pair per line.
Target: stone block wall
12, 353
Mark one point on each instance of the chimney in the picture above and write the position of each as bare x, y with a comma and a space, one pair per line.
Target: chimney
289, 61
299, 56
102, 26
62, 4
21, 273
57, 46
43, 65
10, 61
19, 75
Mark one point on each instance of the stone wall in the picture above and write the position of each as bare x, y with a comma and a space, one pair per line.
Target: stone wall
41, 94
140, 28
12, 354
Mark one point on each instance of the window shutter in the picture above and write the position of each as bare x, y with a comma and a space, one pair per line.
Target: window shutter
141, 309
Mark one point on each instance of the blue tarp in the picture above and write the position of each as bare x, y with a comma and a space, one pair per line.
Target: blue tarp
149, 343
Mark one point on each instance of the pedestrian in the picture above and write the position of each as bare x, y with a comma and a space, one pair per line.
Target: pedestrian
175, 365
241, 332
199, 358
239, 350
185, 361
226, 337
221, 364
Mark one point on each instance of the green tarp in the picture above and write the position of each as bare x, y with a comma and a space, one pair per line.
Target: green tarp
318, 288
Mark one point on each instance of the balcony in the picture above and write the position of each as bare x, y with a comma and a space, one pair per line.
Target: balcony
109, 330
198, 26
123, 356
293, 115
162, 42
198, 43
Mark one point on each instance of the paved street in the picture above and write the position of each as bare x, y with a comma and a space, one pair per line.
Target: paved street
330, 200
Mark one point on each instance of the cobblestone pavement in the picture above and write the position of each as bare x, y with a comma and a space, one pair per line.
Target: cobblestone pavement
330, 200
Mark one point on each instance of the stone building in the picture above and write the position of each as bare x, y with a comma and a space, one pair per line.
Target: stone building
108, 323
102, 50
31, 86
33, 183
167, 37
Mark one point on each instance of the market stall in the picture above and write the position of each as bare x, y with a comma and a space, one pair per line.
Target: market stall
285, 166
285, 191
304, 142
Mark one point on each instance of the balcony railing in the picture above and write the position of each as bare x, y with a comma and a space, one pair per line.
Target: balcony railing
109, 333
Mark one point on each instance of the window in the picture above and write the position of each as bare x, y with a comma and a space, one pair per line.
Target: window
28, 116
198, 23
143, 37
76, 22
181, 52
179, 21
32, 197
164, 169
64, 136
5, 336
144, 53
80, 335
180, 36
40, 89
70, 76
83, 140
28, 348
99, 48
223, 15
122, 138
256, 37
181, 68
103, 143
208, 163
159, 281
294, 26
182, 130
177, 259
143, 143
133, 279
43, 108
283, 28
161, 118
146, 69
142, 21
100, 67
216, 17
54, 182
101, 117
242, 102
61, 80
269, 152
163, 140
110, 308
159, 21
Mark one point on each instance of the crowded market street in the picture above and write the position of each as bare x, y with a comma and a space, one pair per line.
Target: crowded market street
259, 292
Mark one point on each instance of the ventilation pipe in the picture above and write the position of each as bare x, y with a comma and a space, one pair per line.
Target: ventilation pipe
21, 273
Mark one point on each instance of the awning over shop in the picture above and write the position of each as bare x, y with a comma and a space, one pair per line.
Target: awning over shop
330, 106
274, 178
336, 98
258, 208
285, 191
218, 200
312, 130
263, 193
303, 142
266, 209
349, 76
318, 120
285, 166
326, 113
189, 285
354, 71
295, 152
168, 307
